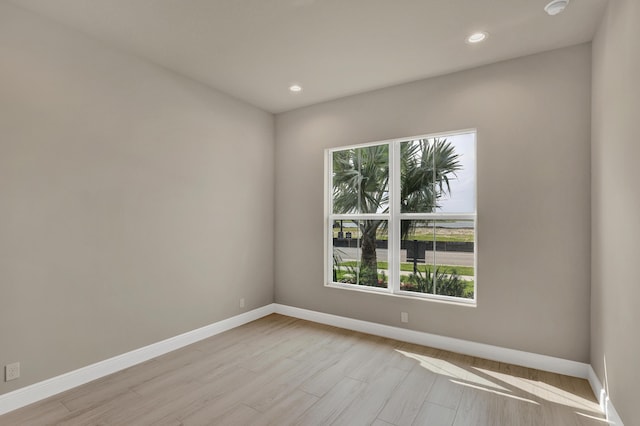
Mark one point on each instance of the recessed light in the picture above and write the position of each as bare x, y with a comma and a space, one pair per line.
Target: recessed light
556, 6
295, 88
477, 37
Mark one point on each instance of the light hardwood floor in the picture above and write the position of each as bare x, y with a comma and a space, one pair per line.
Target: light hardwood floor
281, 371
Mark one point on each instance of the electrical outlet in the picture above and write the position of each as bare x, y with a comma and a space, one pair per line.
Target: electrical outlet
242, 302
11, 371
404, 316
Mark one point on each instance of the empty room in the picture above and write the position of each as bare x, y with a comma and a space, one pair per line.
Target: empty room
319, 212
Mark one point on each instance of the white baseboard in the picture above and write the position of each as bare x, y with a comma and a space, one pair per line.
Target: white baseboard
481, 350
606, 405
41, 390
598, 389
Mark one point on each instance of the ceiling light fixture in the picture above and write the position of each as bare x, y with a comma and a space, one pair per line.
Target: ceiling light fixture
556, 6
295, 88
477, 37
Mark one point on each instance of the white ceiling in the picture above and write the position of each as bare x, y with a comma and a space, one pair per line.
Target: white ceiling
255, 49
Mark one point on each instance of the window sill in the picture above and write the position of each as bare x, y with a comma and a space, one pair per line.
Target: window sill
472, 303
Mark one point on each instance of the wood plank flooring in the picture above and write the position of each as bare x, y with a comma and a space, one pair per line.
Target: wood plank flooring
284, 371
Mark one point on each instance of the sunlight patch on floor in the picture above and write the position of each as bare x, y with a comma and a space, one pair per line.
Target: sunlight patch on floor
504, 384
446, 368
494, 392
599, 419
544, 390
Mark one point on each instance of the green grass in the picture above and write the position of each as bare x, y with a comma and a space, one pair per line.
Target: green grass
408, 267
447, 269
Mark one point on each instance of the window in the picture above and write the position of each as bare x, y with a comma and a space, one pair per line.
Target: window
401, 217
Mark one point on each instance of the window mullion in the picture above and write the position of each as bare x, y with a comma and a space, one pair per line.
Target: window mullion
433, 247
328, 231
394, 224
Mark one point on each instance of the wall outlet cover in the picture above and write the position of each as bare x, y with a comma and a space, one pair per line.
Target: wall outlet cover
11, 371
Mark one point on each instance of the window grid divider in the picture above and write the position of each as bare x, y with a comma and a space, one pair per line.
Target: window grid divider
394, 224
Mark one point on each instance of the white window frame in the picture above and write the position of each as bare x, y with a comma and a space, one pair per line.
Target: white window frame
395, 217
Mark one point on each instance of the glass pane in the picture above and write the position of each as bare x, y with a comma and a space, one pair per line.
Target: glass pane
416, 177
454, 258
416, 256
438, 174
361, 180
449, 269
455, 158
360, 254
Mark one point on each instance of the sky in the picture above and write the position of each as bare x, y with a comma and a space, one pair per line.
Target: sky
462, 198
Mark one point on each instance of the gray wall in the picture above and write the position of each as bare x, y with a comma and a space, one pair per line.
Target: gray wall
615, 318
119, 225
533, 121
134, 204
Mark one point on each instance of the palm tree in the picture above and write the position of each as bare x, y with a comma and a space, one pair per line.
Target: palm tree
361, 185
425, 172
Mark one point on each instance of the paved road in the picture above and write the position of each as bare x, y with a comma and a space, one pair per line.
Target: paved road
455, 258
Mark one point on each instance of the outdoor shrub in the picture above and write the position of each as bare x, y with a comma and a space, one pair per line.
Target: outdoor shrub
446, 284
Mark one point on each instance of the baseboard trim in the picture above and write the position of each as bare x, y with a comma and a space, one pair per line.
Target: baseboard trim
41, 390
481, 350
606, 405
598, 389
